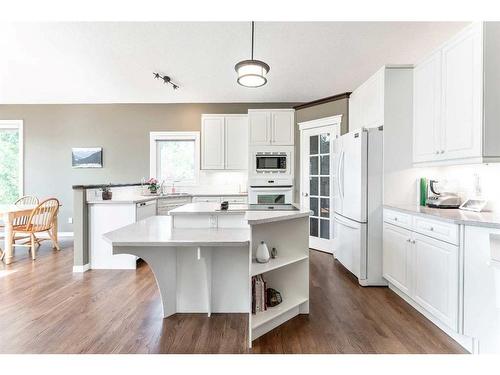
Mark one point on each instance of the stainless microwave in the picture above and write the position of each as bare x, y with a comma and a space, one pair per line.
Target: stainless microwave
271, 162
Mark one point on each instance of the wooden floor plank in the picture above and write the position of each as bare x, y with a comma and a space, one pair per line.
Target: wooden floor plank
46, 308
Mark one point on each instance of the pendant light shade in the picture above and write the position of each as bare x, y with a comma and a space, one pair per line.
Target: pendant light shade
252, 73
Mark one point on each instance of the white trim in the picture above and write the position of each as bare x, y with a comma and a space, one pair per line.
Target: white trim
172, 135
19, 125
325, 121
80, 269
272, 109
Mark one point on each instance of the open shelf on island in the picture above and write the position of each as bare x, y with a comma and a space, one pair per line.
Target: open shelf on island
279, 261
272, 312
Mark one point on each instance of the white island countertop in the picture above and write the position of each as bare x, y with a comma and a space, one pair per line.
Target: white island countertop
158, 231
252, 216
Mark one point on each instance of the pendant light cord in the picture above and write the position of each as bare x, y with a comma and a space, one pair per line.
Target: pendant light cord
252, 40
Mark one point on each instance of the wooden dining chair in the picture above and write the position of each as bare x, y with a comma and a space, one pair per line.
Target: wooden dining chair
25, 201
40, 220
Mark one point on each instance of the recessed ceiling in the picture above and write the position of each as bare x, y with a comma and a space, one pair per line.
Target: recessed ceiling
114, 62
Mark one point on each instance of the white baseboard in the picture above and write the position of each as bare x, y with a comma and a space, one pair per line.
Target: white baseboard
79, 269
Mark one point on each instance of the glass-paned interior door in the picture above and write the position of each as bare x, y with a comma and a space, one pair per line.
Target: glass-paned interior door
317, 160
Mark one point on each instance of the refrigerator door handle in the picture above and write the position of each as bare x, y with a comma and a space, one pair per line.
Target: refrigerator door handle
337, 180
342, 161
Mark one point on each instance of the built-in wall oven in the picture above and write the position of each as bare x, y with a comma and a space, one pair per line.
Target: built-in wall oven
270, 191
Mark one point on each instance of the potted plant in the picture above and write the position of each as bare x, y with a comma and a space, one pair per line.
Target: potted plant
107, 194
153, 185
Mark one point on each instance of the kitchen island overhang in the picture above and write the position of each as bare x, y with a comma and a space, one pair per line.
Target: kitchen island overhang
203, 260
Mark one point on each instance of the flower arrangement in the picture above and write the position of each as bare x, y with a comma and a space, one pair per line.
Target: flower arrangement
153, 185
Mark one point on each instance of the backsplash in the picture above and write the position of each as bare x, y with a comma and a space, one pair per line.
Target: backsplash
466, 180
210, 182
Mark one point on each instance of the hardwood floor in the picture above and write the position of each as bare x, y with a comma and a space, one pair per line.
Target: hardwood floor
46, 308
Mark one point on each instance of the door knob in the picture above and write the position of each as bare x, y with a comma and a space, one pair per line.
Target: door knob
305, 194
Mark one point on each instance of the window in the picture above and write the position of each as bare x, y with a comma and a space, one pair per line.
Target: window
11, 160
175, 157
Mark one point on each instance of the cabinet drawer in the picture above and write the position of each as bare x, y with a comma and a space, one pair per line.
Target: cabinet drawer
235, 199
164, 202
436, 229
207, 199
398, 218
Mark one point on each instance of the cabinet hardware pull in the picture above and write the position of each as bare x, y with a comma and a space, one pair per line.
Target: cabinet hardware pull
431, 229
437, 152
442, 151
395, 219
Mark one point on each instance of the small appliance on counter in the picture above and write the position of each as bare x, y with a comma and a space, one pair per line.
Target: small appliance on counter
441, 200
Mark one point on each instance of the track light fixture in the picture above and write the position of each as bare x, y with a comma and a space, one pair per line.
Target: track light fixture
166, 79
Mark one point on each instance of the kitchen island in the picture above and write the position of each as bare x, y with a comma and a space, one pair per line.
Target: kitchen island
203, 260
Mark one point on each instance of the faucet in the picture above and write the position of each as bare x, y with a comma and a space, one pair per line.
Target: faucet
161, 187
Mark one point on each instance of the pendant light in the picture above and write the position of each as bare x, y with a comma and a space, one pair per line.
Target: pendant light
252, 73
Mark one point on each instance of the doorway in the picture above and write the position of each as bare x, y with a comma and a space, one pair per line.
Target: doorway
317, 177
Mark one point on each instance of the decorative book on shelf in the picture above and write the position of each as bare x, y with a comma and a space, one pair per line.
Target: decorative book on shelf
259, 291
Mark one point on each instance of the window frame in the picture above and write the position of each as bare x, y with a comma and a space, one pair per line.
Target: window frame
19, 126
173, 136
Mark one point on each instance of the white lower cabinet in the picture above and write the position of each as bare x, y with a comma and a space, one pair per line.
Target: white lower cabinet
396, 257
424, 268
435, 274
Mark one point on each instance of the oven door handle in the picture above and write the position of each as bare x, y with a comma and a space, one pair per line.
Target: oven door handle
267, 189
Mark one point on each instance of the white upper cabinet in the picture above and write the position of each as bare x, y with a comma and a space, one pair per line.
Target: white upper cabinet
212, 142
282, 128
224, 142
259, 124
462, 87
366, 103
271, 127
236, 142
449, 115
427, 105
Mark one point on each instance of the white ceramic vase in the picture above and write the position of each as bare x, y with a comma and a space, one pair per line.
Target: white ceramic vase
262, 255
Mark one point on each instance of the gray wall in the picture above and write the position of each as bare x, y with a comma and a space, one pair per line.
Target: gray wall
50, 131
337, 107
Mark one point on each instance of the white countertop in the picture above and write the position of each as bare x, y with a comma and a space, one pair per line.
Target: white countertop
483, 219
253, 217
157, 231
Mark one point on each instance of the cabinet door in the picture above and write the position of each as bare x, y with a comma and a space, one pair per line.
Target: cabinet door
373, 97
212, 142
461, 96
282, 128
355, 110
426, 109
259, 124
236, 142
397, 257
436, 278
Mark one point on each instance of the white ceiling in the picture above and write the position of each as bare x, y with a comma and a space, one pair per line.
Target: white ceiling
114, 62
